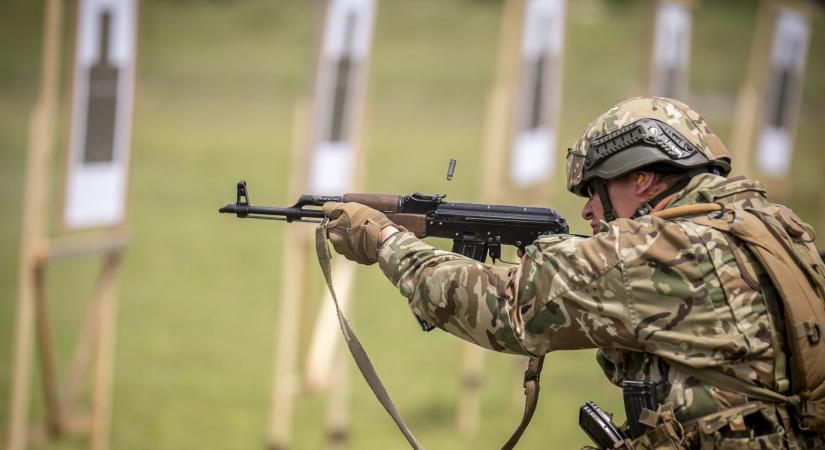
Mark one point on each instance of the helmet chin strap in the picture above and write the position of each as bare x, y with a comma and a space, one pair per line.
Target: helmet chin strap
607, 206
646, 207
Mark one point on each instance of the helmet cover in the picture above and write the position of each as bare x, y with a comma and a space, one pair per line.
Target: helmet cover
640, 132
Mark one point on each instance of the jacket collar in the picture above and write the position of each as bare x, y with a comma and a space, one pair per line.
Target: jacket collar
710, 188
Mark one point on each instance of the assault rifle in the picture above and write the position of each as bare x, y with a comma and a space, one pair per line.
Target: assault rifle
477, 230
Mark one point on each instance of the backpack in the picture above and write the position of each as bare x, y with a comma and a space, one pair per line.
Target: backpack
783, 245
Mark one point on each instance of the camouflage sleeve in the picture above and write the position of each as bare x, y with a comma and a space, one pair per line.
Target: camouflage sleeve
567, 293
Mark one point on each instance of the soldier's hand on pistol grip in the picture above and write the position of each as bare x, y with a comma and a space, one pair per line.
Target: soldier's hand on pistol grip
355, 230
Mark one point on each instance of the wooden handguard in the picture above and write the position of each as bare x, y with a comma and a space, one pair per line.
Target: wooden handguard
386, 203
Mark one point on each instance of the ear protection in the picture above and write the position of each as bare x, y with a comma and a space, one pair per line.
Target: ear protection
640, 178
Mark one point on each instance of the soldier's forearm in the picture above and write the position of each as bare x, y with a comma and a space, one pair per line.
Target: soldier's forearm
386, 233
471, 300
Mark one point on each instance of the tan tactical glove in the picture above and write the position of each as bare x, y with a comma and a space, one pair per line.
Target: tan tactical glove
354, 230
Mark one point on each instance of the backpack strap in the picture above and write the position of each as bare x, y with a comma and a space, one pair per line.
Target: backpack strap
688, 210
733, 384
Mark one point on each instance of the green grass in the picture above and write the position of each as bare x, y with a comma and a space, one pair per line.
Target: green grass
217, 83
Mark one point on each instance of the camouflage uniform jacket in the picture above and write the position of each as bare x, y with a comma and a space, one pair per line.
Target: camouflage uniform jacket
644, 292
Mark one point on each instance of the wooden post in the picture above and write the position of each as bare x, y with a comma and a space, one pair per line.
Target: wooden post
338, 129
48, 363
33, 308
522, 121
84, 349
322, 362
41, 137
104, 364
338, 405
498, 128
330, 135
96, 339
286, 379
468, 413
296, 243
468, 410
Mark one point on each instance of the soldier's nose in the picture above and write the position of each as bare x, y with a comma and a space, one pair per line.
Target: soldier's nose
587, 209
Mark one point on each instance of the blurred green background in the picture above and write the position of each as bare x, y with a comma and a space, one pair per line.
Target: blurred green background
216, 86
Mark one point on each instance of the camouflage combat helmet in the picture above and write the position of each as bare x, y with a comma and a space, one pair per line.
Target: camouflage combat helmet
640, 132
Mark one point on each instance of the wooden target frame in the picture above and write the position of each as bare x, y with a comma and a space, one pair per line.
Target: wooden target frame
101, 120
769, 102
102, 236
783, 91
536, 106
669, 47
326, 160
523, 112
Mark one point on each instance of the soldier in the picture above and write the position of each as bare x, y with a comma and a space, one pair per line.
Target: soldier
665, 300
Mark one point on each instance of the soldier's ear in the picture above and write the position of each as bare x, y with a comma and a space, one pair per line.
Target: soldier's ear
646, 184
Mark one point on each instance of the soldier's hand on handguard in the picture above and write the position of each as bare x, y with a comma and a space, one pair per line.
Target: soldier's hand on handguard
355, 230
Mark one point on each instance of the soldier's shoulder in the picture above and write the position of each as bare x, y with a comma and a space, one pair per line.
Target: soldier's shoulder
651, 237
645, 228
594, 255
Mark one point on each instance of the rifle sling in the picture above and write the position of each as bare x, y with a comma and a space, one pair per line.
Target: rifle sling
355, 348
532, 378
531, 375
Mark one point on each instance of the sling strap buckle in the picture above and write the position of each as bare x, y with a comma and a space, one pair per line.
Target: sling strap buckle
810, 330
